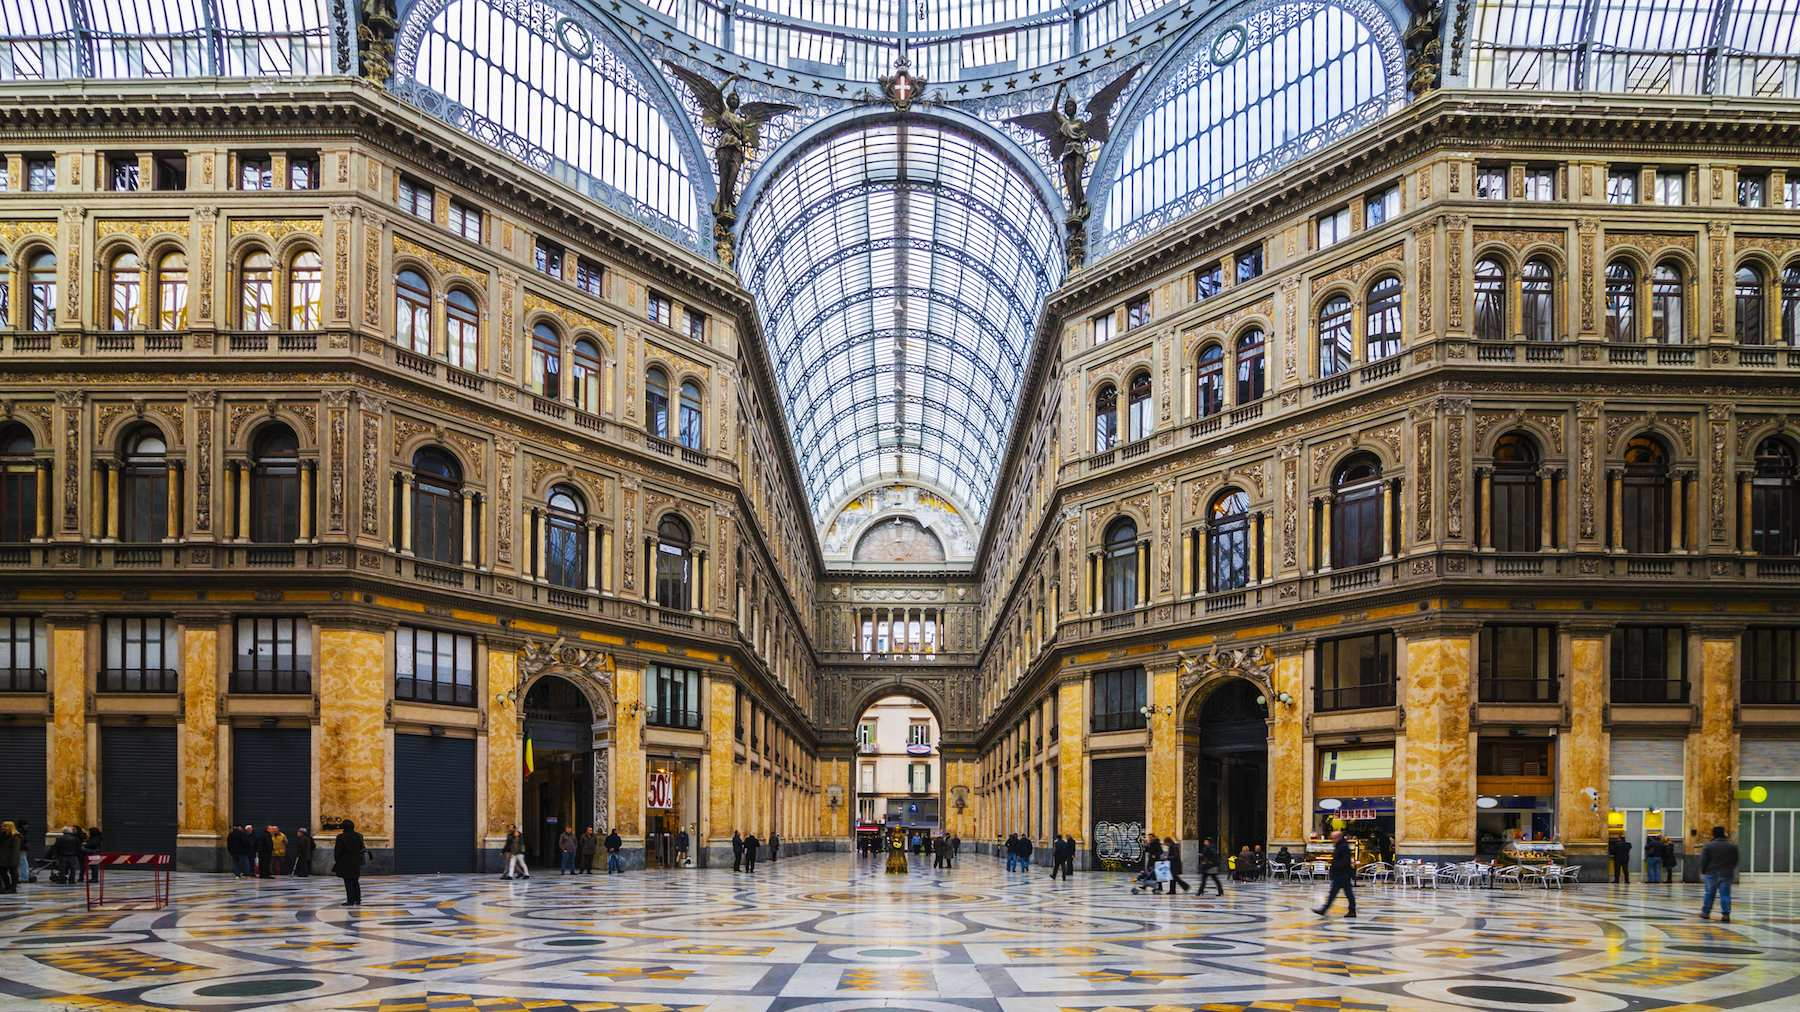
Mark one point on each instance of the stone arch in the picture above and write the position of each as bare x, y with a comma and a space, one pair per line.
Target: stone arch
1200, 677
591, 671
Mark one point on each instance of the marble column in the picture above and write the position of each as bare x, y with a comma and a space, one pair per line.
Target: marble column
1677, 515
352, 676
1165, 755
67, 733
306, 499
1324, 559
1581, 750
721, 758
1615, 480
42, 527
172, 501
1289, 796
1547, 508
243, 502
628, 765
406, 500
201, 828
112, 503
1438, 797
1187, 562
503, 745
468, 527
1711, 777
1071, 759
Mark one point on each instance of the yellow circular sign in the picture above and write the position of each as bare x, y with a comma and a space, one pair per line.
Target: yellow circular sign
1759, 794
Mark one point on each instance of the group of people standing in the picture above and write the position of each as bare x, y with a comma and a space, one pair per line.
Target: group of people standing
575, 854
745, 848
268, 852
1660, 859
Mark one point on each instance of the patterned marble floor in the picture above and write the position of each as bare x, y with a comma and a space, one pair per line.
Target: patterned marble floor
831, 933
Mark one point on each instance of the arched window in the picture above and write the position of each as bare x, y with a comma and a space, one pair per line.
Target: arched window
1139, 409
1383, 326
1356, 512
656, 402
1335, 347
256, 292
172, 291
674, 564
437, 506
1121, 566
1621, 302
584, 371
1106, 418
412, 312
1774, 499
275, 485
144, 487
1228, 542
41, 301
546, 361
462, 326
1537, 300
306, 285
1490, 300
1209, 381
1668, 313
1249, 367
1645, 502
18, 483
1752, 301
1790, 305
565, 538
691, 417
126, 282
1517, 513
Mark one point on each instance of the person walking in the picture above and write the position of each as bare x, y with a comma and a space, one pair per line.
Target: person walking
751, 846
1209, 869
348, 854
237, 844
737, 851
585, 849
940, 852
1056, 855
774, 846
10, 842
514, 853
1718, 866
565, 851
615, 861
304, 846
955, 848
1012, 851
681, 848
1172, 854
1343, 874
278, 849
1024, 853
1619, 849
1150, 853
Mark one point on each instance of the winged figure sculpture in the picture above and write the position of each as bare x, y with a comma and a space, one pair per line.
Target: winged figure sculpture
1074, 140
739, 125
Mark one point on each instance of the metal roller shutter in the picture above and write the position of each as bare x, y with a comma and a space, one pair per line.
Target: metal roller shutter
138, 781
22, 791
271, 777
1119, 790
1771, 758
434, 804
1646, 757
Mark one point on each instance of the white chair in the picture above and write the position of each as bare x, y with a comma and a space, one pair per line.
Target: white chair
1569, 873
1512, 874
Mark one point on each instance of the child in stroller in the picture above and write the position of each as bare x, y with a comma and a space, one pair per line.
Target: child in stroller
1146, 876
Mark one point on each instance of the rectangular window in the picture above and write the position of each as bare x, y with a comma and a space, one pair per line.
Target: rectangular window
918, 778
40, 175
1540, 184
1338, 765
5, 175
1333, 227
661, 309
303, 172
431, 666
867, 779
1119, 700
1649, 664
415, 198
1209, 281
865, 735
255, 172
171, 172
1137, 312
139, 655
549, 258
1381, 207
1249, 263
21, 654
1753, 190
696, 325
122, 174
918, 733
1671, 188
674, 697
1518, 664
1622, 186
1771, 665
1355, 672
1103, 328
1793, 189
465, 220
273, 655
1490, 182
1513, 758
589, 276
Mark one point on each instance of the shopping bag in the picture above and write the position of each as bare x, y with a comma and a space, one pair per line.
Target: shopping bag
1163, 874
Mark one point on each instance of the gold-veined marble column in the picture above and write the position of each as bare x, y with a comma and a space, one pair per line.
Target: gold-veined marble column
306, 499
406, 501
42, 526
1324, 559
628, 761
1711, 777
1615, 480
1581, 751
172, 500
200, 740
1164, 758
68, 730
505, 775
1071, 758
721, 758
1438, 797
353, 733
112, 503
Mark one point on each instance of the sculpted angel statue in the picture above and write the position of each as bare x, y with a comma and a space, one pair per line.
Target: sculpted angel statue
739, 124
1074, 140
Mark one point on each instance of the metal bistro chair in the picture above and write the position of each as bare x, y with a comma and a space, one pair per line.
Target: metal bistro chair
1376, 873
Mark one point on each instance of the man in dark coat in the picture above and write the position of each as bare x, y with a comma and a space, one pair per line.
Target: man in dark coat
1024, 853
1343, 874
1209, 868
347, 857
303, 847
265, 854
940, 851
585, 848
237, 844
751, 846
1718, 866
615, 864
955, 847
737, 851
1619, 849
774, 846
1172, 851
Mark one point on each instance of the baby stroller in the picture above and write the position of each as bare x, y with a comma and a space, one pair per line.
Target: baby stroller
1154, 876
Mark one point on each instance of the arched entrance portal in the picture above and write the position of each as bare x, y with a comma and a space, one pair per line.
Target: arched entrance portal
897, 773
1225, 738
559, 789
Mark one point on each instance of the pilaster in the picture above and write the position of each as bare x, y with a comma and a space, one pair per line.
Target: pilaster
68, 731
1289, 793
1071, 758
353, 733
1582, 747
1438, 774
1711, 777
200, 745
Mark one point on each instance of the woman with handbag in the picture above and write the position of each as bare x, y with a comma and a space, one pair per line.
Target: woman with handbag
1172, 854
347, 857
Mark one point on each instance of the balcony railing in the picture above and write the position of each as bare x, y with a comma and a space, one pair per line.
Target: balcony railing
658, 716
274, 683
1763, 691
137, 680
1626, 689
1518, 690
22, 679
1125, 720
1353, 697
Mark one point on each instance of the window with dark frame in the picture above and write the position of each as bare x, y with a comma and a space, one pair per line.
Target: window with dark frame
256, 172
1137, 312
1120, 566
1649, 664
171, 171
465, 220
122, 174
1119, 700
1753, 189
674, 697
1775, 499
40, 175
22, 657
433, 666
1540, 184
1209, 381
416, 197
589, 276
18, 483
1381, 207
1228, 543
1490, 183
1103, 327
303, 172
1355, 672
549, 257
1332, 227
1518, 664
1514, 757
660, 309
273, 655
1516, 495
138, 655
1250, 367
1771, 665
1249, 262
696, 325
1644, 509
1622, 186
1209, 281
1356, 512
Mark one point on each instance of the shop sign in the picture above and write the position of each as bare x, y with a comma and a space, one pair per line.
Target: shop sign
918, 749
662, 790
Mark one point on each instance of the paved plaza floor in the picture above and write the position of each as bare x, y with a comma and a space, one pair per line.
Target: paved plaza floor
832, 932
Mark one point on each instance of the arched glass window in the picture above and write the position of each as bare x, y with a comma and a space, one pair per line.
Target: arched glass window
41, 301
656, 402
18, 483
144, 487
1516, 495
1752, 301
306, 285
1106, 418
691, 417
1228, 542
6, 320
1139, 408
1537, 300
172, 291
1383, 326
1621, 302
1250, 382
1490, 300
584, 371
1790, 305
674, 564
1335, 347
412, 312
1774, 499
126, 308
546, 361
462, 326
1121, 566
437, 506
275, 485
1668, 312
1356, 512
565, 538
256, 292
1209, 381
1645, 504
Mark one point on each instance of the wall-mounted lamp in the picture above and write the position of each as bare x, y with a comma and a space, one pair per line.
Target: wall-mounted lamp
1285, 699
1152, 709
959, 796
834, 796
